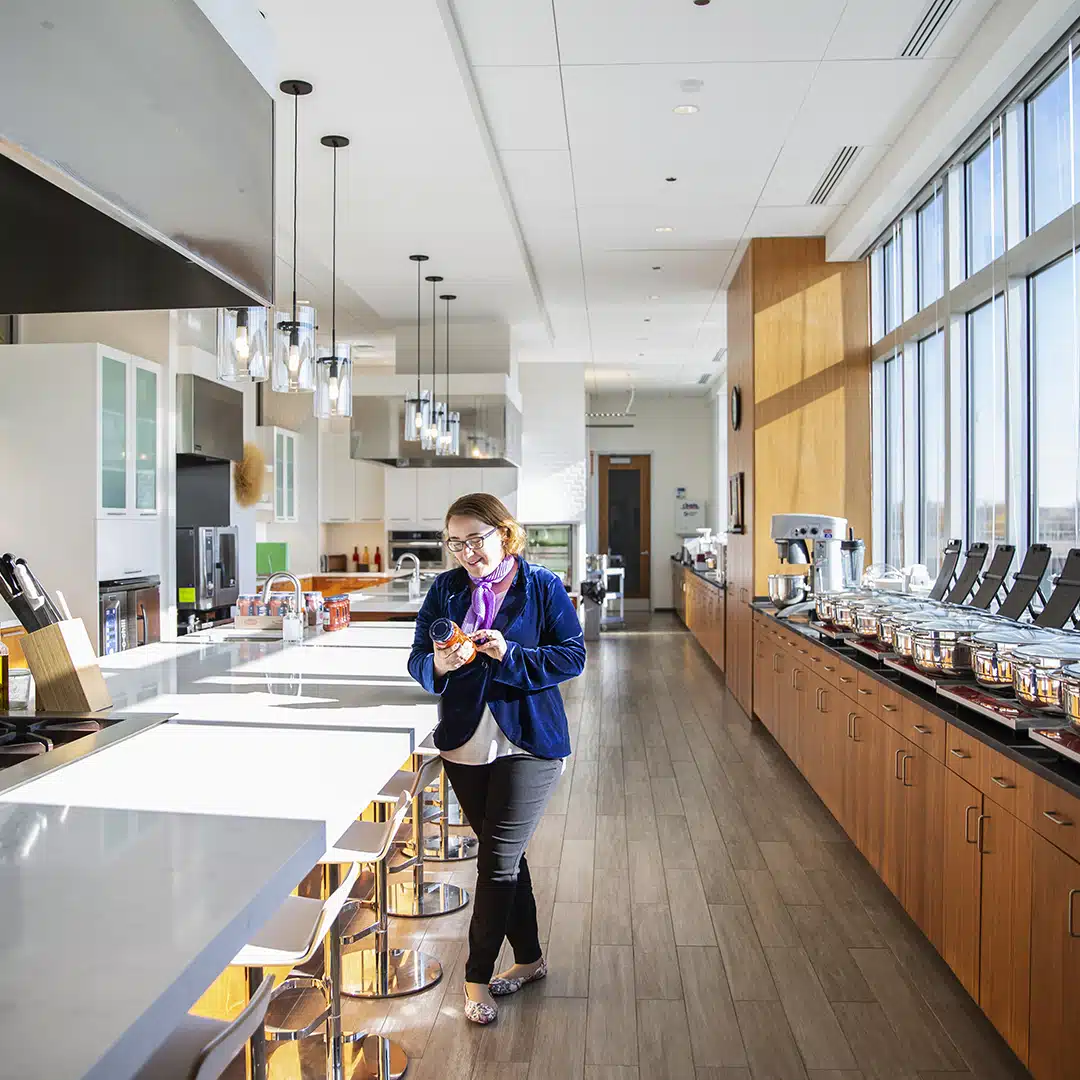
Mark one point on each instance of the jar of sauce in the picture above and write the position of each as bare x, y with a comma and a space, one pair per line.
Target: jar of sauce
445, 633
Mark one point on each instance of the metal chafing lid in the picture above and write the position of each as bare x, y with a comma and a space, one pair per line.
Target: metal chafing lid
1011, 635
1071, 672
951, 624
1049, 654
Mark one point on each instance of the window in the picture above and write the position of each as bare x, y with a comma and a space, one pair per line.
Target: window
1055, 372
1052, 151
932, 451
987, 465
894, 461
984, 206
891, 295
930, 241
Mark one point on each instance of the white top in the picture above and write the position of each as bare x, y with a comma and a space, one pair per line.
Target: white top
486, 744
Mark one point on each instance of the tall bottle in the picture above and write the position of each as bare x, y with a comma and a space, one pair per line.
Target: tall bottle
378, 560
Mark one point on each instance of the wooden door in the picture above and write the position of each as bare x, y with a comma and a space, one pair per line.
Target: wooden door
830, 718
924, 850
1005, 955
894, 823
1054, 1034
962, 882
625, 517
863, 796
796, 706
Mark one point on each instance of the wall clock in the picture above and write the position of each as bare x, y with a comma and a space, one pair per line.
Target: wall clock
736, 408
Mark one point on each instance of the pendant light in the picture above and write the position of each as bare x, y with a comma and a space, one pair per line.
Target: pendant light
418, 406
293, 367
333, 373
446, 444
243, 345
436, 418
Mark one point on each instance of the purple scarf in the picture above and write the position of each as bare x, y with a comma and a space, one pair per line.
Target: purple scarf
481, 613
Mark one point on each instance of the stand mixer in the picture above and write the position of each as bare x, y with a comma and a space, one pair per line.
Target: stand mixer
817, 541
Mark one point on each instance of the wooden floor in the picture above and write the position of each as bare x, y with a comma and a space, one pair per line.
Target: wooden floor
704, 917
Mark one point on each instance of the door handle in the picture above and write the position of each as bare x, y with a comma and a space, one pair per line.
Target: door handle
1057, 819
1072, 893
643, 553
140, 617
967, 823
896, 764
980, 831
852, 735
903, 770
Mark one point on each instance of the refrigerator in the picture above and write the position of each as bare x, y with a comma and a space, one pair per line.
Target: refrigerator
553, 546
129, 614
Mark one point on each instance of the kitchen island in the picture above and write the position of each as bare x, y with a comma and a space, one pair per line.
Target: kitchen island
974, 827
225, 772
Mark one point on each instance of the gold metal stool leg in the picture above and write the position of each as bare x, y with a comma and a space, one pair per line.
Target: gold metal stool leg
445, 846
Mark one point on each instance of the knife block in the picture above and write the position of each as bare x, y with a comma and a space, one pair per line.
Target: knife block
65, 669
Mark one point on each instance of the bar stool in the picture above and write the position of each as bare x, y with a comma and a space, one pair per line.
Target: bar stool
445, 846
417, 899
201, 1048
381, 972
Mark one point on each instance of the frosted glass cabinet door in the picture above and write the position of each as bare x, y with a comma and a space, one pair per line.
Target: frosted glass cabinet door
113, 424
146, 492
290, 478
279, 475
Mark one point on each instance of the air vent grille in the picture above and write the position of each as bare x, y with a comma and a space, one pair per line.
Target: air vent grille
929, 26
833, 174
703, 380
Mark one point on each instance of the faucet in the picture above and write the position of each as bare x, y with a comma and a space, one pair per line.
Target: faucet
414, 580
291, 627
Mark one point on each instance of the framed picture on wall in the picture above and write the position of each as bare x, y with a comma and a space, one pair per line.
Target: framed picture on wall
735, 503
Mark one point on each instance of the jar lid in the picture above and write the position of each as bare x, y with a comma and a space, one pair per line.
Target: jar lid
1049, 653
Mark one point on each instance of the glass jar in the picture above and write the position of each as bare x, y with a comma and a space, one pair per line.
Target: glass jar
445, 633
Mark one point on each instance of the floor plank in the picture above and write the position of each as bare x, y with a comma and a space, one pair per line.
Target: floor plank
770, 1047
744, 962
656, 963
611, 1029
715, 1038
664, 1040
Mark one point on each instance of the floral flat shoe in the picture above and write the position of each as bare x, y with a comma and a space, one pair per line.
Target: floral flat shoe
499, 986
479, 1012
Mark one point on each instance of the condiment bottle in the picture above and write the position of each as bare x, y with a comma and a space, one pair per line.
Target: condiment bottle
378, 559
446, 633
365, 559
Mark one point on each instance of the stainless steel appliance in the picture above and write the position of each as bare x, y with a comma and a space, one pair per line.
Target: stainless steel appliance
426, 545
553, 546
129, 614
207, 575
814, 540
210, 419
787, 589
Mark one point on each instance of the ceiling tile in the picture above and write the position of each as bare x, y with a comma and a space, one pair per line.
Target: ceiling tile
524, 107
495, 32
792, 220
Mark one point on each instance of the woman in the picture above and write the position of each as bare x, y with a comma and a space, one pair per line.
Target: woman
502, 728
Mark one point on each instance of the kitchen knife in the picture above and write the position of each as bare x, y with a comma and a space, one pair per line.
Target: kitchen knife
36, 589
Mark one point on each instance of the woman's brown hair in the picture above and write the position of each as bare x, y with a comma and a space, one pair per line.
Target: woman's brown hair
493, 512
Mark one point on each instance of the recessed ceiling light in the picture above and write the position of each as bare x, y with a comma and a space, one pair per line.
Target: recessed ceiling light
648, 320
701, 3
671, 179
658, 268
664, 228
685, 110
654, 297
641, 354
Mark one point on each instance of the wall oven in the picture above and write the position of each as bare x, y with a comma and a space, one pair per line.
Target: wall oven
207, 576
427, 546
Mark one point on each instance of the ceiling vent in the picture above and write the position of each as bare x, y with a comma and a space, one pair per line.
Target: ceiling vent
935, 16
703, 380
834, 174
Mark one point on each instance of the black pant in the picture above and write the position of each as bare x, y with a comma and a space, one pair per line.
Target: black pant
503, 802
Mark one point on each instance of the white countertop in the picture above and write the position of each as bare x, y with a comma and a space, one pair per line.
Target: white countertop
140, 869
367, 575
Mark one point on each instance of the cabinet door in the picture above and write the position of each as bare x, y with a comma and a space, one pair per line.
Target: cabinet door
462, 482
796, 710
502, 483
962, 882
291, 499
279, 475
432, 497
369, 491
863, 797
925, 841
337, 486
400, 497
1054, 1035
113, 433
1005, 967
146, 438
894, 823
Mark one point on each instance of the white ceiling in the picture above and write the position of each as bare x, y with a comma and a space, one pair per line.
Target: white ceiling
525, 147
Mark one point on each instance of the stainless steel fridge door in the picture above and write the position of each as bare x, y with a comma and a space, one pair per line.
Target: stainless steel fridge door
113, 623
226, 572
144, 616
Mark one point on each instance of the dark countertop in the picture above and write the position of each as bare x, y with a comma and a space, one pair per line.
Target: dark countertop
705, 575
1013, 744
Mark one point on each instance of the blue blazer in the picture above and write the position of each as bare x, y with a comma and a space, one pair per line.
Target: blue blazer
545, 647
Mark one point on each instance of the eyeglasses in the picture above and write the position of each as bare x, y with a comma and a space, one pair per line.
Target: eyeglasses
473, 543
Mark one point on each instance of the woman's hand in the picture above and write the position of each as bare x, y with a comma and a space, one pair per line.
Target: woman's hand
450, 659
490, 643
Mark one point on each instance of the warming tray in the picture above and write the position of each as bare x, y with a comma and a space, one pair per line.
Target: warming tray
1003, 710
1065, 740
876, 650
907, 667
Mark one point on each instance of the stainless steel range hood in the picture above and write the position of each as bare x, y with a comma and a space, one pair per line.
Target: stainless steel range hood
490, 433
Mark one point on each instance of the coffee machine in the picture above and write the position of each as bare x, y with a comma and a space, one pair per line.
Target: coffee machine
813, 540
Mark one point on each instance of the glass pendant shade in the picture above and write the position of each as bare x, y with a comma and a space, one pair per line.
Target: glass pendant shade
454, 423
441, 427
417, 414
242, 349
293, 367
333, 384
436, 417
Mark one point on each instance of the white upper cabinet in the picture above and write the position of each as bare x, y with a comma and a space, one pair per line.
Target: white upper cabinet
421, 497
280, 447
369, 491
128, 444
337, 485
400, 497
502, 483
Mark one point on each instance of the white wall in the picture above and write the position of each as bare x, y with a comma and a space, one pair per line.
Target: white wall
718, 508
552, 480
677, 430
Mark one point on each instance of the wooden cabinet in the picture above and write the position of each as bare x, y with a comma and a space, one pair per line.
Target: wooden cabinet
894, 810
700, 604
1054, 1035
678, 590
962, 881
922, 780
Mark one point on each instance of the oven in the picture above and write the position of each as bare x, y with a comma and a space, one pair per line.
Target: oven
207, 574
427, 546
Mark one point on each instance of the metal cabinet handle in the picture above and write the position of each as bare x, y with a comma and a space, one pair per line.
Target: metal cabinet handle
967, 823
922, 729
903, 770
819, 699
1072, 893
815, 659
890, 708
824, 699
1057, 819
980, 832
1001, 782
845, 679
775, 662
829, 667
959, 753
896, 764
866, 692
851, 725
805, 652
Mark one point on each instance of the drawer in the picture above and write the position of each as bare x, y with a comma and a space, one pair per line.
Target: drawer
868, 692
963, 754
1056, 816
829, 668
925, 729
891, 707
1008, 783
847, 679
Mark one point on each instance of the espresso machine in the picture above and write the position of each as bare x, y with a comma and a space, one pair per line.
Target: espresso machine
815, 541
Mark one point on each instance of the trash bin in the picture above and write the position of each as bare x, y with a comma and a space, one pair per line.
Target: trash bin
592, 598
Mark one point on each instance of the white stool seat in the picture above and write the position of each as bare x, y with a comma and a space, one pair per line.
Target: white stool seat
286, 938
402, 780
361, 842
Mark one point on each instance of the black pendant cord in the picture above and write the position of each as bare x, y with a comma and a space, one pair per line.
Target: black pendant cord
418, 288
434, 279
333, 269
447, 297
295, 186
